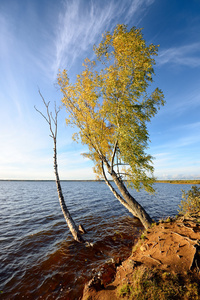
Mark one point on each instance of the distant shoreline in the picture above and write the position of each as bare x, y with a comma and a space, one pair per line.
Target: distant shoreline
175, 181
49, 180
182, 181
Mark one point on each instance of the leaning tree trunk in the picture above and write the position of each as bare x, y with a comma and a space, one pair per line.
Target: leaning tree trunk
117, 195
70, 222
128, 200
52, 121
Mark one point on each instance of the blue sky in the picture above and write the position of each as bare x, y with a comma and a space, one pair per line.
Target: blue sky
38, 37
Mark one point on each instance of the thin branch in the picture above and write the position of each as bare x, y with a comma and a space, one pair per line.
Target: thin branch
120, 164
54, 119
117, 163
125, 174
49, 118
42, 114
113, 155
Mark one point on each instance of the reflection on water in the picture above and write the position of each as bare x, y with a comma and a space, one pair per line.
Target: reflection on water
40, 260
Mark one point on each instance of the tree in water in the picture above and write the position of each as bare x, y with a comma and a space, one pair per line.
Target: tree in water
110, 104
52, 121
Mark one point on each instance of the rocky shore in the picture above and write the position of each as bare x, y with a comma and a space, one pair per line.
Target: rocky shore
164, 263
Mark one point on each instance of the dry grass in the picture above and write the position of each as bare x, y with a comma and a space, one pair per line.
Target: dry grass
155, 284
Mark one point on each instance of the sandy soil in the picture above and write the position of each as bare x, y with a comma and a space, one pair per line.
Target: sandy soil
171, 245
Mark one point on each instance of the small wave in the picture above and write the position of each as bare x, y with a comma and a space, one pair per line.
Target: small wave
39, 255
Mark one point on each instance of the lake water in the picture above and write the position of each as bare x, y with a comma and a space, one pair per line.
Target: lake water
38, 257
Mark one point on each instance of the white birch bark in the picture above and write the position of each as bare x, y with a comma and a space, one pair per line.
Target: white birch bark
70, 222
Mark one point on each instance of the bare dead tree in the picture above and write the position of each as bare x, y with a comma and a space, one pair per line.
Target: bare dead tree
52, 121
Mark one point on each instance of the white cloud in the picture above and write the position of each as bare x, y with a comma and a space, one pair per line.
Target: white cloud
190, 126
170, 165
187, 55
178, 173
178, 143
188, 101
138, 6
82, 173
79, 27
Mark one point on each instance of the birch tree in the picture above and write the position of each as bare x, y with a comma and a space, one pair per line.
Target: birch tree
53, 124
110, 104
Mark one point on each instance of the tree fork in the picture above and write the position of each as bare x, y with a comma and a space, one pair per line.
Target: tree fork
111, 106
136, 209
70, 222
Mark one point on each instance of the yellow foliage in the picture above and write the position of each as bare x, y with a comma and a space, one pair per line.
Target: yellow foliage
111, 104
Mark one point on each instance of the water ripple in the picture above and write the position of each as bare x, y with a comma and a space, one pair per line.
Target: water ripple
38, 255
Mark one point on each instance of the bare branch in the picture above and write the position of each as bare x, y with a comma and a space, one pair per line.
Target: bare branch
53, 118
117, 163
113, 156
122, 173
120, 164
42, 115
56, 109
50, 118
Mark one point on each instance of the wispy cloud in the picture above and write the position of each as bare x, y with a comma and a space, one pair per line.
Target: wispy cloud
178, 173
81, 26
190, 126
75, 28
178, 143
188, 101
181, 159
170, 165
187, 55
